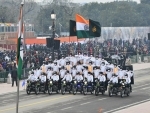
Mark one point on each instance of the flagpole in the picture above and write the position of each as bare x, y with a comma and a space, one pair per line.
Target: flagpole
18, 81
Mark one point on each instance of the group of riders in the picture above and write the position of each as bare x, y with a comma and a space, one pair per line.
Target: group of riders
81, 73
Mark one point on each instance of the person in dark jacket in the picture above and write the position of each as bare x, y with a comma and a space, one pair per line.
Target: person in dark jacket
14, 75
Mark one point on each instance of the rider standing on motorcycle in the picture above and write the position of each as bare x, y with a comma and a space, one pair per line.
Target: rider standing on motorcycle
49, 73
79, 67
85, 72
56, 67
62, 61
55, 77
68, 66
73, 71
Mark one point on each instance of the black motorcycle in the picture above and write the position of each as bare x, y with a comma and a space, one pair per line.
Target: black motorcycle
77, 87
125, 89
66, 87
87, 87
42, 87
113, 89
32, 86
99, 87
52, 86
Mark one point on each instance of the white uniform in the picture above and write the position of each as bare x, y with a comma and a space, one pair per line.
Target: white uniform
96, 73
38, 73
55, 77
90, 78
74, 72
103, 68
62, 62
85, 73
128, 80
121, 74
74, 60
56, 68
109, 75
67, 77
62, 73
79, 68
32, 77
97, 62
43, 78
85, 59
79, 77
114, 79
102, 78
49, 74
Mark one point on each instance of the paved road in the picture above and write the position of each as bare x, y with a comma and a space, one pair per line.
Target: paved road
68, 103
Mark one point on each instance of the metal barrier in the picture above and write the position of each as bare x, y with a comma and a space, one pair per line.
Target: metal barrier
4, 75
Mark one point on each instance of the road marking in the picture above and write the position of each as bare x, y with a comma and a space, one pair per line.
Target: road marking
102, 98
32, 104
66, 108
85, 103
146, 88
130, 105
141, 86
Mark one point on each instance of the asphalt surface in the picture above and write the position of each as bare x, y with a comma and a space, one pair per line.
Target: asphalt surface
69, 103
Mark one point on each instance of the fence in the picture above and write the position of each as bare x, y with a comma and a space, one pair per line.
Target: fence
4, 75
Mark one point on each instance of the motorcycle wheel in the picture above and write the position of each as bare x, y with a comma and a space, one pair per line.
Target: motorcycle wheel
37, 91
62, 90
85, 91
28, 91
74, 90
103, 92
122, 93
50, 90
96, 91
110, 93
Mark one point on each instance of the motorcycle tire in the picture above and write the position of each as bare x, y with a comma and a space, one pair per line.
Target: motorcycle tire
36, 91
74, 90
110, 93
85, 91
28, 91
122, 93
62, 90
96, 92
50, 90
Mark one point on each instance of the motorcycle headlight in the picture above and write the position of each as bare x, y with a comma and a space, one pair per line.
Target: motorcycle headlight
123, 84
51, 82
64, 82
85, 82
75, 82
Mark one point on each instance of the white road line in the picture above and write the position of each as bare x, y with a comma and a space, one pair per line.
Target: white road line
85, 103
7, 100
66, 108
130, 105
141, 86
102, 98
146, 88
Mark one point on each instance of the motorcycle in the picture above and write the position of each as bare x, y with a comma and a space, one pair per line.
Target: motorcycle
99, 88
32, 86
42, 87
113, 89
87, 87
125, 89
52, 86
66, 86
77, 86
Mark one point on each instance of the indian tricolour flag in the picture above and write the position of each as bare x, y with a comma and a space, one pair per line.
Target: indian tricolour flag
19, 63
82, 27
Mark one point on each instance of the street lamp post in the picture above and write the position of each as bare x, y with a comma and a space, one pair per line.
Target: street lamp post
53, 17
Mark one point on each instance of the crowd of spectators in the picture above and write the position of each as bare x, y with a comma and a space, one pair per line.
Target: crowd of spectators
36, 54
